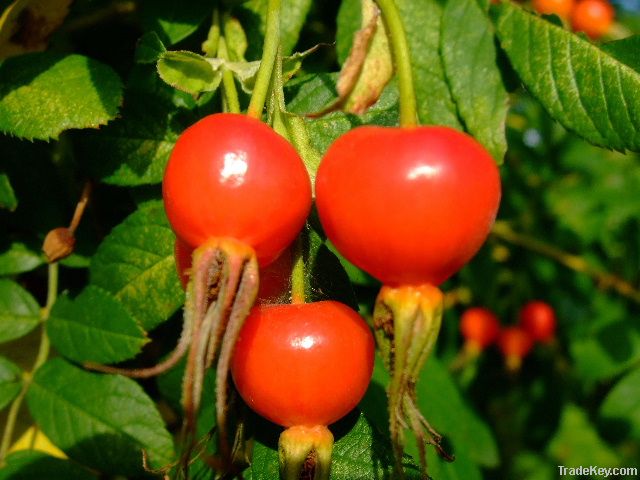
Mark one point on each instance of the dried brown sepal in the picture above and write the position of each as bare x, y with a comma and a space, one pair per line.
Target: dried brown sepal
58, 244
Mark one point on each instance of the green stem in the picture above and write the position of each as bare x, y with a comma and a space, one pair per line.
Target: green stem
402, 59
298, 273
43, 354
269, 54
228, 83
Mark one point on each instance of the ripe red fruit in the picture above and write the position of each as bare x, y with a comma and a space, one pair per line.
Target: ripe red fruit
539, 320
303, 364
407, 205
480, 327
230, 175
274, 278
593, 17
562, 8
515, 344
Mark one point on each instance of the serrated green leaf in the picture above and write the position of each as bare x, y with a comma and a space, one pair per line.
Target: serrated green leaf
10, 382
102, 421
577, 442
94, 327
621, 407
134, 150
253, 15
135, 263
626, 51
361, 453
149, 48
18, 258
44, 94
423, 22
19, 312
34, 465
8, 198
473, 74
583, 88
174, 21
190, 72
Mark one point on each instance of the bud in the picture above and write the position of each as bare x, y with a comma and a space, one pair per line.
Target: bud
58, 244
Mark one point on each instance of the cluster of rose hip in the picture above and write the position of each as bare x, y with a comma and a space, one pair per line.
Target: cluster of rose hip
481, 328
593, 17
409, 205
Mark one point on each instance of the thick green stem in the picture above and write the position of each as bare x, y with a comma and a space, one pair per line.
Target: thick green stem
43, 354
228, 83
402, 59
269, 54
298, 274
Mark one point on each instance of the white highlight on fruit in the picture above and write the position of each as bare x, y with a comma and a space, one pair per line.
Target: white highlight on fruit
427, 171
234, 168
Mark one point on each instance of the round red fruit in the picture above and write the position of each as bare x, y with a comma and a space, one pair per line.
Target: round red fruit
407, 205
480, 327
230, 175
303, 364
539, 320
515, 344
593, 17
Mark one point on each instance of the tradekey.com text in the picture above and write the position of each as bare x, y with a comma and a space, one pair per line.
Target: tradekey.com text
593, 471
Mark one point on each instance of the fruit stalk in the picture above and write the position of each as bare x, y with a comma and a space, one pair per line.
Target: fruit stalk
269, 54
402, 59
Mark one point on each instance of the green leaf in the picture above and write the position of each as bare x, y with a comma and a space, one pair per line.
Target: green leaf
174, 21
190, 72
621, 407
102, 421
608, 346
348, 22
18, 258
8, 198
94, 327
473, 74
583, 88
577, 443
325, 279
253, 15
135, 263
35, 465
626, 51
423, 22
134, 150
44, 94
314, 92
360, 453
149, 48
19, 312
10, 381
